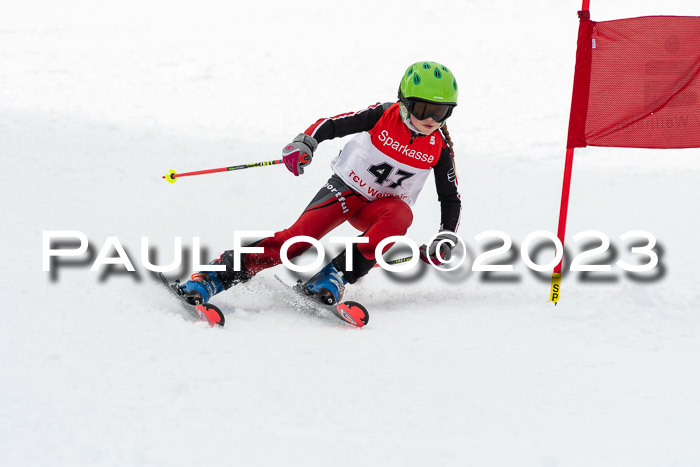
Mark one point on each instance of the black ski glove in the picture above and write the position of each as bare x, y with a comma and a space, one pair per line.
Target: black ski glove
440, 251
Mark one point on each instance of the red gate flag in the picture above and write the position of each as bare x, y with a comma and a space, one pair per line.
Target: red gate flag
637, 83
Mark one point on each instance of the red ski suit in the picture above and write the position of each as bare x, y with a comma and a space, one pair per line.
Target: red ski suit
376, 178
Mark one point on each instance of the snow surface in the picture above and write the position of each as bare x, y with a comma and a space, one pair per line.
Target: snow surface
98, 101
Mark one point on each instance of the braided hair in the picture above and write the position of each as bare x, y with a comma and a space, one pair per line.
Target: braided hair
446, 134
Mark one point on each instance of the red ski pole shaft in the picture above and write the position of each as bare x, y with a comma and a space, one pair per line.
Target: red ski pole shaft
172, 176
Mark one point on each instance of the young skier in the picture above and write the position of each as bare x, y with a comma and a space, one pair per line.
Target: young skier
376, 178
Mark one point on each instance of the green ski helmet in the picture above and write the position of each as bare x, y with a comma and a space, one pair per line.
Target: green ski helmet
429, 83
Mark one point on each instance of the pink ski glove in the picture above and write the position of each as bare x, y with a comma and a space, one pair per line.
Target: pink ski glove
298, 153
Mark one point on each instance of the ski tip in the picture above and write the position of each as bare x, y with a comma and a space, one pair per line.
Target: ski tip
353, 313
211, 314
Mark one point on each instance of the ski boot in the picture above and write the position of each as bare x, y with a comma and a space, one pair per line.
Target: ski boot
328, 286
200, 288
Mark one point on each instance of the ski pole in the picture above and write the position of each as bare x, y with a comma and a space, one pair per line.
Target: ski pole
172, 176
402, 260
396, 261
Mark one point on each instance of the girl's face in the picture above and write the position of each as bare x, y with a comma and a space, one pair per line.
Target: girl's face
426, 126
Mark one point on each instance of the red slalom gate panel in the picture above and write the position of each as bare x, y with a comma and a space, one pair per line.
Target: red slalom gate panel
637, 83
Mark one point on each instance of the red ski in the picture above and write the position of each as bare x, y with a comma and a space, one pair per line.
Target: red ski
349, 312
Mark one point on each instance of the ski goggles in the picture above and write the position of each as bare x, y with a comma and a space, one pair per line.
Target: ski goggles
424, 109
